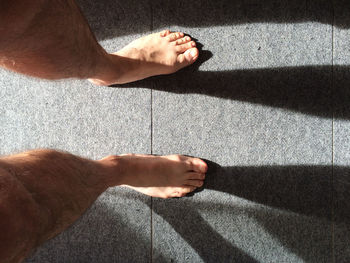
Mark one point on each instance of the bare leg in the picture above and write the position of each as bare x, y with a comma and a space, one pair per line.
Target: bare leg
52, 40
43, 192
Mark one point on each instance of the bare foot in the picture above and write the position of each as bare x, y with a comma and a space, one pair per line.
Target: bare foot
155, 54
160, 176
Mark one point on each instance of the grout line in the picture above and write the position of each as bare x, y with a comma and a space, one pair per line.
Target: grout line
151, 205
332, 106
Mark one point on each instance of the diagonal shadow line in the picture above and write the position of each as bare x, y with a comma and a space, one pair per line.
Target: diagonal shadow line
110, 18
90, 239
302, 189
306, 89
301, 235
193, 228
301, 196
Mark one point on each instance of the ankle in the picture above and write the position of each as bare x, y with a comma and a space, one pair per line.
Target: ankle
107, 71
113, 169
114, 69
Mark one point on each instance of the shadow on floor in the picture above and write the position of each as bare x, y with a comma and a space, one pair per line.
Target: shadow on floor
307, 238
292, 204
201, 236
303, 190
296, 210
305, 89
102, 235
111, 18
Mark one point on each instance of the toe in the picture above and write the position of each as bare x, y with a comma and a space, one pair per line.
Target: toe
164, 33
191, 54
182, 191
197, 165
175, 36
182, 48
195, 176
196, 183
183, 40
188, 57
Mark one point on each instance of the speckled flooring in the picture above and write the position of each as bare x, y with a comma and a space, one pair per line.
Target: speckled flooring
266, 105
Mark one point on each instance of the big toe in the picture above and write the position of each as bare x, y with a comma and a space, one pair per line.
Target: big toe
197, 165
188, 57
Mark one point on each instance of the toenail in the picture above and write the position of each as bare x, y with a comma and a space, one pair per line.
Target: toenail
188, 38
194, 53
193, 44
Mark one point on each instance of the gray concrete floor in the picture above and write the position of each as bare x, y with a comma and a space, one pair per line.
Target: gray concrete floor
266, 105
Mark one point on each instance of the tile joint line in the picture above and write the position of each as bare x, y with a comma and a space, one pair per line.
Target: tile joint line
332, 106
151, 204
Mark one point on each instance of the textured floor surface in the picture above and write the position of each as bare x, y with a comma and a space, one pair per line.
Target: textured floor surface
266, 105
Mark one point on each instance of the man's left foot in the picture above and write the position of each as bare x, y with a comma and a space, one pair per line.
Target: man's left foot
156, 54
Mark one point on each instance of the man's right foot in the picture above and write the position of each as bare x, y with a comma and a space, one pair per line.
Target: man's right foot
160, 176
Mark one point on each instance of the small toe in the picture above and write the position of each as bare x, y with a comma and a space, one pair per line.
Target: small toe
175, 36
182, 48
196, 183
183, 40
195, 176
164, 33
182, 191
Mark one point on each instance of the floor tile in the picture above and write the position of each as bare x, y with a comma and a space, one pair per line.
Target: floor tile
258, 107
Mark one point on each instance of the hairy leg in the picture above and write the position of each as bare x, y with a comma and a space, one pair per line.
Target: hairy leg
42, 192
47, 39
52, 40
